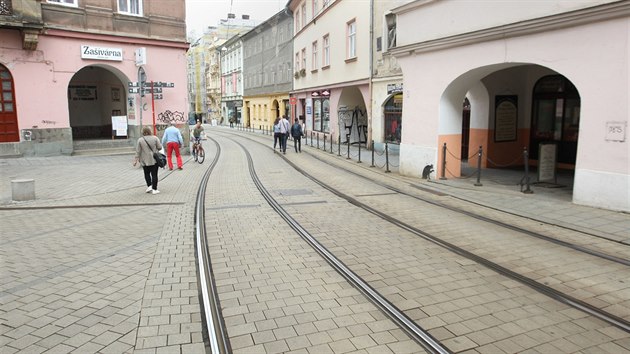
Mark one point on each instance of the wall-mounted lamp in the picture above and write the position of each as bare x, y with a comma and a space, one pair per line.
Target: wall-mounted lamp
325, 93
315, 94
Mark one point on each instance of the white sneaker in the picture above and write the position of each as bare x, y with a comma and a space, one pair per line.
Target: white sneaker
149, 189
155, 191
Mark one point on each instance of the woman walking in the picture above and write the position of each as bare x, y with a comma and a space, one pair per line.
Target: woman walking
145, 147
277, 134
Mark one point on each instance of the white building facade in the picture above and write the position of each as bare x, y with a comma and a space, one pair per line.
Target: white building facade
331, 51
548, 76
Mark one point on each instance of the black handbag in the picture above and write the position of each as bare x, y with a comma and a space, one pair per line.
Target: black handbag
160, 158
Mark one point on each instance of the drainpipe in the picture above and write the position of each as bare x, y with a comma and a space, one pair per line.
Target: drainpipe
369, 107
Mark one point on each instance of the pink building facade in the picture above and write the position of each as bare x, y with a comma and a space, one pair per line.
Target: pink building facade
550, 77
73, 84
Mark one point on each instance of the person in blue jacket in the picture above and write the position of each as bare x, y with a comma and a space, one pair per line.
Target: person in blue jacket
173, 140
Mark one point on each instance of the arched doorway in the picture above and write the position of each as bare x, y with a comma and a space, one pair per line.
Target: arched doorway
392, 112
95, 94
9, 131
555, 117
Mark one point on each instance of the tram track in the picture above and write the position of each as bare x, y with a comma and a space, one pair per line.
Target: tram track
477, 216
557, 295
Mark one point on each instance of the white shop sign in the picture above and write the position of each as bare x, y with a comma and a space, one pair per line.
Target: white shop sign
101, 53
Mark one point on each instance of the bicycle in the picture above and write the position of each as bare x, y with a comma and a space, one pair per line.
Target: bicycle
199, 155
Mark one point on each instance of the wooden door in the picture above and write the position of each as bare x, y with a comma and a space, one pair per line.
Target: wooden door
8, 117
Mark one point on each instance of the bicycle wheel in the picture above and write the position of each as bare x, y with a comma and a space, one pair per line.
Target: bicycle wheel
194, 153
201, 155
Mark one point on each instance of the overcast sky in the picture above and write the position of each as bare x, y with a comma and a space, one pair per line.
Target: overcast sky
203, 13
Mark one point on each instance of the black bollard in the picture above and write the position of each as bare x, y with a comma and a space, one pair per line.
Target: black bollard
372, 165
387, 158
526, 159
348, 158
359, 152
339, 145
478, 184
443, 177
324, 142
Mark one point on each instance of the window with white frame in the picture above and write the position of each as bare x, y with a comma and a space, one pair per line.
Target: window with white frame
315, 59
297, 21
304, 14
73, 3
351, 46
315, 9
130, 7
326, 51
303, 59
390, 19
297, 61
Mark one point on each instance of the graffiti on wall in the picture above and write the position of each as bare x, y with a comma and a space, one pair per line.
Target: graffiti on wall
354, 125
167, 117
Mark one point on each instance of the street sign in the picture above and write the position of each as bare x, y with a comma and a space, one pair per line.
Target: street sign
133, 84
158, 97
293, 100
163, 84
134, 90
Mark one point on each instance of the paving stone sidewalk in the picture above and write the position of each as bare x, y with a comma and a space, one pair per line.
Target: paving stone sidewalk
95, 264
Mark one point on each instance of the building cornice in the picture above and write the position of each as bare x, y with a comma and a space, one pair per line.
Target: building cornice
332, 86
538, 25
114, 38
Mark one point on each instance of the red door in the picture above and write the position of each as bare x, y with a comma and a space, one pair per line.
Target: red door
8, 116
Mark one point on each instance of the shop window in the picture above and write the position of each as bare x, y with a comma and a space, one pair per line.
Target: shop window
556, 117
321, 114
393, 119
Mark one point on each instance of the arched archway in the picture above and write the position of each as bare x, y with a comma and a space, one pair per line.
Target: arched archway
538, 112
352, 116
95, 94
9, 131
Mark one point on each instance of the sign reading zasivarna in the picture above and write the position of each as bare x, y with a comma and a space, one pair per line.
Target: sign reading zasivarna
101, 53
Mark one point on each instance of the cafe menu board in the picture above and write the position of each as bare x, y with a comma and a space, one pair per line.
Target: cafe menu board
547, 155
505, 118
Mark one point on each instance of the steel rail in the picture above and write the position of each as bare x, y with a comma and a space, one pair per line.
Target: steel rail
211, 309
573, 246
421, 336
535, 285
544, 289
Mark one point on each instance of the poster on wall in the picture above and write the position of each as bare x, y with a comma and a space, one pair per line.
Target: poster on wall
547, 157
505, 118
309, 114
82, 93
119, 125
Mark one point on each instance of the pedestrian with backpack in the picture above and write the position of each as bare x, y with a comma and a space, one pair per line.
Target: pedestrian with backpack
297, 133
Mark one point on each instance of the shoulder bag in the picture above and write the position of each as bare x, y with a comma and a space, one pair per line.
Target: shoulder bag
160, 158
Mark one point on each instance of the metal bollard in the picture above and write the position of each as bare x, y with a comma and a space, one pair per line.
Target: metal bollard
339, 145
348, 158
443, 177
478, 184
372, 165
311, 139
324, 142
359, 152
526, 160
331, 143
387, 158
